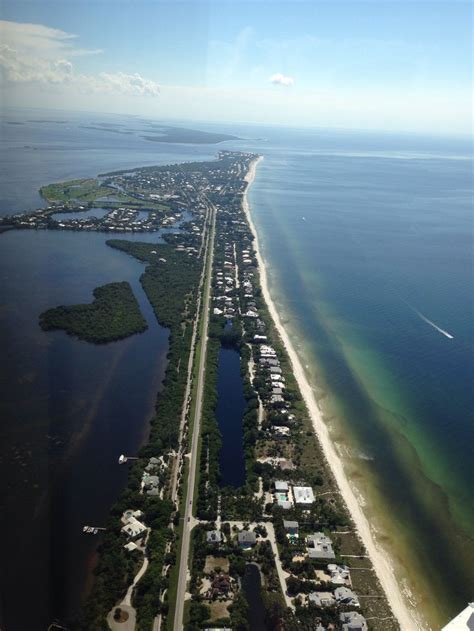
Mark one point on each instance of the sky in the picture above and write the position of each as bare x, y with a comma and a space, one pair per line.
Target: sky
398, 66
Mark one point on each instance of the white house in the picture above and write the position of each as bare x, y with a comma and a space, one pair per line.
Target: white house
303, 495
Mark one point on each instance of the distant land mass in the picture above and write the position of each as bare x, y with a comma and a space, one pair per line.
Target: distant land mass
47, 121
188, 136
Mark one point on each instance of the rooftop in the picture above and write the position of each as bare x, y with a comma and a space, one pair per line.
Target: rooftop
303, 494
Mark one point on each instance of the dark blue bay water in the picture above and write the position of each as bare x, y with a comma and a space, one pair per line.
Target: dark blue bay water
364, 234
68, 408
229, 412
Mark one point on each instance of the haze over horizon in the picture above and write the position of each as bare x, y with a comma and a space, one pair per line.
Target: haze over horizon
402, 66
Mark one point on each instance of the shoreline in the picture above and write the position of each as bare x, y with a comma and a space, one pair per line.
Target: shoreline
379, 558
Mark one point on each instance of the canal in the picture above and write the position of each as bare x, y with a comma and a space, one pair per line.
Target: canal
229, 413
251, 587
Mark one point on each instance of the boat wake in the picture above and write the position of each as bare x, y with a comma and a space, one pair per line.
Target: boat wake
430, 322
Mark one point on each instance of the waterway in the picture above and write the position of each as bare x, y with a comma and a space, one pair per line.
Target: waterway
251, 583
68, 410
98, 213
229, 413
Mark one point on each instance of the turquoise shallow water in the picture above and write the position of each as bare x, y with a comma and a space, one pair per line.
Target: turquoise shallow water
368, 247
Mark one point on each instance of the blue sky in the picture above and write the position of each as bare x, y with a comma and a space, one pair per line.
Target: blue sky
388, 65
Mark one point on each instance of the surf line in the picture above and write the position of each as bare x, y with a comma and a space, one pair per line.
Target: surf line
425, 319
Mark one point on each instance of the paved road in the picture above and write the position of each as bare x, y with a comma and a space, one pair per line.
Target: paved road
193, 456
127, 601
187, 397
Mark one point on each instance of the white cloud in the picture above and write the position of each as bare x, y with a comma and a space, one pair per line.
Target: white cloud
36, 39
132, 84
39, 55
280, 79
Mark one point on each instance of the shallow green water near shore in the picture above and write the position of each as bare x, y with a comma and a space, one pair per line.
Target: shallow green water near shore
359, 248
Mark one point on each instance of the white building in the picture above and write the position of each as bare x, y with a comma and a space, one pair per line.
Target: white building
320, 546
303, 494
133, 528
340, 574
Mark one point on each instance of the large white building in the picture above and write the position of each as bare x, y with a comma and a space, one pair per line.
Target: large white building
303, 494
133, 528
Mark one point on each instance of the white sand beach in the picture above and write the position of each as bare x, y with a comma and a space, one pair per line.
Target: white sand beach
407, 618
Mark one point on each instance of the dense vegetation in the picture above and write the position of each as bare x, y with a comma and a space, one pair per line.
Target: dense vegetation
113, 315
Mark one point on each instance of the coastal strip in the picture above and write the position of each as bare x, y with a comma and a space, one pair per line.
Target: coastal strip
381, 562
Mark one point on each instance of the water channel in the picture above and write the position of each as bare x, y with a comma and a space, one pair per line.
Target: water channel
229, 413
251, 584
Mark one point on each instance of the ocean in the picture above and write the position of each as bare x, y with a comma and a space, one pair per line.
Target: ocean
368, 242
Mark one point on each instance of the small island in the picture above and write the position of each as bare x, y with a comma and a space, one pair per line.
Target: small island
113, 315
187, 136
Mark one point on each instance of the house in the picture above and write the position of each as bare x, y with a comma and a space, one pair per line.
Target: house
153, 464
282, 494
346, 596
277, 378
277, 384
130, 513
151, 483
275, 370
291, 527
220, 585
133, 528
303, 495
320, 546
214, 537
354, 621
247, 539
339, 574
321, 599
